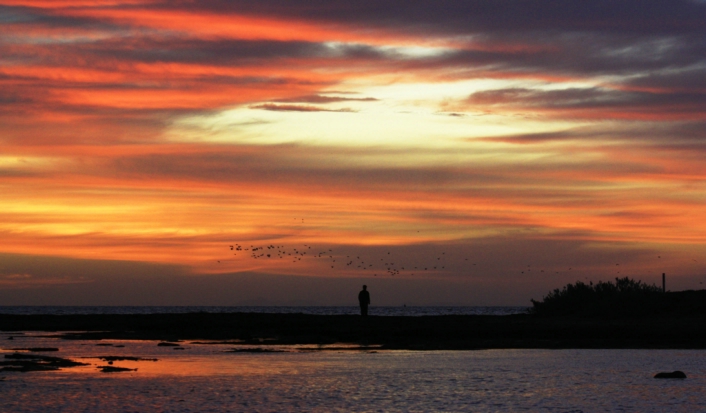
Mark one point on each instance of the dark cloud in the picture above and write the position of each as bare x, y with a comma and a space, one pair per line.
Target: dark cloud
690, 135
461, 16
160, 288
24, 16
556, 99
452, 114
606, 102
294, 165
153, 85
534, 138
151, 49
321, 99
139, 47
499, 270
688, 79
653, 44
297, 108
16, 173
14, 15
592, 37
57, 87
578, 54
555, 178
12, 98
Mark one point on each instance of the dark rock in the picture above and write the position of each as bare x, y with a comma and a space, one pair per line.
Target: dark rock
29, 362
123, 358
24, 367
167, 344
452, 332
254, 350
673, 375
113, 369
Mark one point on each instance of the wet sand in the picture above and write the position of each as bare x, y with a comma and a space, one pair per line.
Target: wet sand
419, 333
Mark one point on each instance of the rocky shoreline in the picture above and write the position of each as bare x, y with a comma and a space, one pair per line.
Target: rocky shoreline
416, 333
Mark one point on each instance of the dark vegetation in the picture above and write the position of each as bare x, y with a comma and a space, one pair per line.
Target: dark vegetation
254, 350
28, 362
247, 330
111, 359
113, 369
623, 314
623, 298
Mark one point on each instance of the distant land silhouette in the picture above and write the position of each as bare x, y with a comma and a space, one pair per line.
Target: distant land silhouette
624, 314
624, 297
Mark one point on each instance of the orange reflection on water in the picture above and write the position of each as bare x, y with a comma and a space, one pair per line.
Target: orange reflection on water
218, 363
202, 358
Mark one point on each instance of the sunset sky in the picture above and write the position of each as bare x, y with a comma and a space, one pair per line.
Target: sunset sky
520, 145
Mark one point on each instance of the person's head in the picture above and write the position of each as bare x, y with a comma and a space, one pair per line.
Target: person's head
365, 287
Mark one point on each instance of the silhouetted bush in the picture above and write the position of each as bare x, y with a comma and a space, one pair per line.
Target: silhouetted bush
624, 297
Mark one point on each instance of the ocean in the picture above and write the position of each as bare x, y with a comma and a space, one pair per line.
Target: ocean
208, 376
322, 310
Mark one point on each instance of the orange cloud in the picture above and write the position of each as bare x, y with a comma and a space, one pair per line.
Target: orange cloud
90, 168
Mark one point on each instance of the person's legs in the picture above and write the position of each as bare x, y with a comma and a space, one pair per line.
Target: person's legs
364, 310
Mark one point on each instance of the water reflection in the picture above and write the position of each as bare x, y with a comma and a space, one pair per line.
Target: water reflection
412, 311
204, 377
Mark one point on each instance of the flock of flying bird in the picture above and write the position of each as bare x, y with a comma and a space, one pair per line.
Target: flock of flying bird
380, 265
385, 265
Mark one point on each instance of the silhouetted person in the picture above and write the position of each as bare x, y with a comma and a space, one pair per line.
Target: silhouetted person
364, 300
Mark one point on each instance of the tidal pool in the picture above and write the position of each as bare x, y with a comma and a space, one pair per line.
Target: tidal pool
207, 378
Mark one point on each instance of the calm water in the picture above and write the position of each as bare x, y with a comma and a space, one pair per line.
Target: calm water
204, 378
379, 311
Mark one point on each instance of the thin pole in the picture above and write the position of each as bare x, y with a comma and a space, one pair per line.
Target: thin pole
664, 283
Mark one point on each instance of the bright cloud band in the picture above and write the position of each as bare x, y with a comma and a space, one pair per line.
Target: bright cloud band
163, 131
